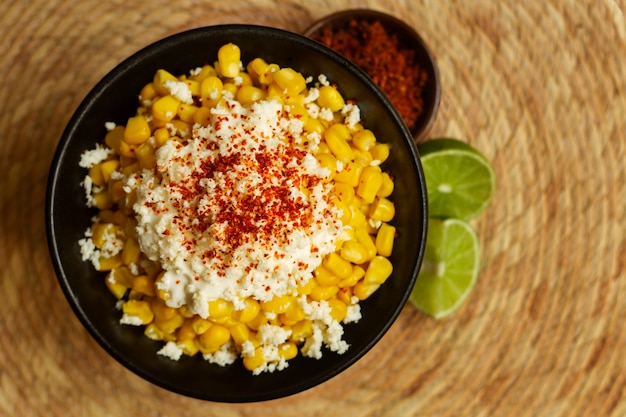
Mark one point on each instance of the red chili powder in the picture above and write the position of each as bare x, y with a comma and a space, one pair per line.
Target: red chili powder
390, 65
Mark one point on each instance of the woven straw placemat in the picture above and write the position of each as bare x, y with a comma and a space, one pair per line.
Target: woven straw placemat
538, 86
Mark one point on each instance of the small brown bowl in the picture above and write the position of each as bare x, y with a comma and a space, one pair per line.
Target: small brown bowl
408, 38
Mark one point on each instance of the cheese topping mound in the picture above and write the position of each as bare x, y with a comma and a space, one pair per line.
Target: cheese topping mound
240, 209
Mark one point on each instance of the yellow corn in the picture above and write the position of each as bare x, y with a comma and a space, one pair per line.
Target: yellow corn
287, 350
123, 276
143, 284
290, 81
256, 68
378, 271
350, 174
186, 112
96, 175
165, 108
293, 315
137, 130
258, 321
306, 288
162, 311
158, 82
188, 346
185, 331
369, 183
193, 86
277, 304
363, 291
324, 276
312, 125
382, 209
380, 152
185, 312
153, 332
109, 263
138, 308
114, 137
254, 361
240, 333
220, 308
145, 156
358, 218
126, 150
301, 330
211, 340
329, 162
338, 309
249, 312
364, 140
248, 94
211, 90
330, 98
117, 289
337, 142
319, 292
345, 295
200, 325
298, 111
161, 135
229, 60
357, 273
170, 325
353, 251
364, 238
205, 71
147, 93
384, 239
202, 116
386, 187
344, 191
337, 265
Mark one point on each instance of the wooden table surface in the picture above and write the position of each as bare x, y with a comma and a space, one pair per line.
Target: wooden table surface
538, 85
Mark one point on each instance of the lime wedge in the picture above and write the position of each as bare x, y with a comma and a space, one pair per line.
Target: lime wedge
449, 270
460, 181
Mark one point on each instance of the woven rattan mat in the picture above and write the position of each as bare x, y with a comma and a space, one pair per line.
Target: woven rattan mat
539, 86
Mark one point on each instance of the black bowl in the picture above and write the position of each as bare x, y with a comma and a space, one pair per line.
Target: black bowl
113, 99
408, 38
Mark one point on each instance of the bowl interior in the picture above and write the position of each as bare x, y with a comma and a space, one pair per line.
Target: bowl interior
408, 38
114, 99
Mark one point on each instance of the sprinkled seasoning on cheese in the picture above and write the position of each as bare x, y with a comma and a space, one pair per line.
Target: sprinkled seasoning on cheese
239, 210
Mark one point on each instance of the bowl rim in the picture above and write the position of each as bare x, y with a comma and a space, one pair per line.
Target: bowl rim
419, 133
53, 185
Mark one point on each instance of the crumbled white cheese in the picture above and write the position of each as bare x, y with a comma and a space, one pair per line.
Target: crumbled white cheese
352, 115
326, 114
171, 350
180, 90
226, 355
109, 126
353, 314
131, 320
94, 156
323, 80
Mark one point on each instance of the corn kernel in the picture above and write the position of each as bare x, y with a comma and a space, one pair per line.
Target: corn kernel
357, 273
147, 93
211, 340
307, 287
345, 295
220, 308
293, 315
145, 156
159, 80
185, 331
363, 291
338, 309
277, 305
384, 239
380, 152
240, 333
188, 346
153, 332
140, 309
290, 81
170, 325
353, 251
324, 276
386, 187
338, 144
301, 331
369, 183
202, 116
382, 209
249, 312
365, 239
254, 361
117, 289
200, 325
256, 68
143, 284
288, 350
319, 293
330, 98
364, 140
165, 108
162, 311
229, 60
337, 265
114, 137
257, 321
248, 94
379, 269
109, 263
186, 112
